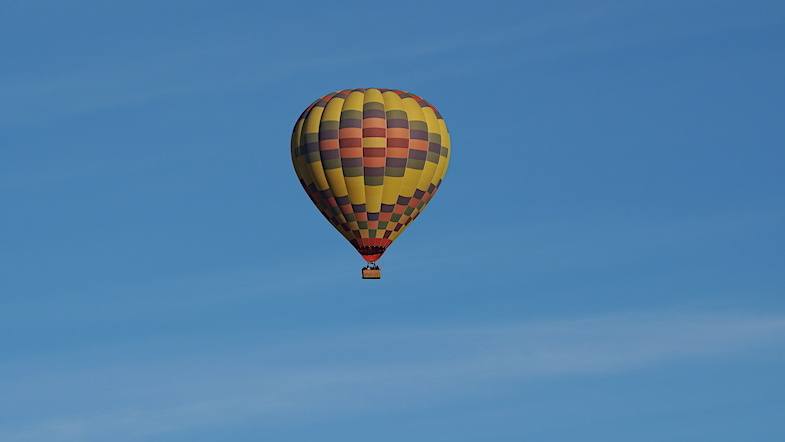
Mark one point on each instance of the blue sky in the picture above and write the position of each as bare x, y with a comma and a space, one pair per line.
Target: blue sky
604, 261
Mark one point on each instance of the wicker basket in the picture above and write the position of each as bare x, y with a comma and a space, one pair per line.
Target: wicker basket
372, 273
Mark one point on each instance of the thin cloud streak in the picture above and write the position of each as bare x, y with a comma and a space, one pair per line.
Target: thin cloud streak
378, 370
107, 82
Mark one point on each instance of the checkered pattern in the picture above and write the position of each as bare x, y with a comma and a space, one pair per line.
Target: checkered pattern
370, 160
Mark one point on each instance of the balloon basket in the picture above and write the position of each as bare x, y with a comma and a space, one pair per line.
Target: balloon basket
372, 272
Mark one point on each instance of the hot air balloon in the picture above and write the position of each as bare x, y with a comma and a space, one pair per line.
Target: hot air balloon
370, 160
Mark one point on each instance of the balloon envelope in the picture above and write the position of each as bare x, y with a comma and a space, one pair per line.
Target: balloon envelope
370, 160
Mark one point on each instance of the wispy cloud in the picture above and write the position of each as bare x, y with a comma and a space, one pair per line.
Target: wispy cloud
240, 60
378, 370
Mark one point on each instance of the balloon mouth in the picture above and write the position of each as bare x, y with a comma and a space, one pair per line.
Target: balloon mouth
371, 258
371, 249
